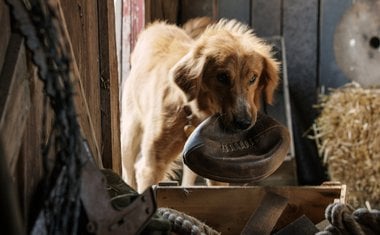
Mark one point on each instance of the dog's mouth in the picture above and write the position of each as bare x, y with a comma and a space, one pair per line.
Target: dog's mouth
233, 125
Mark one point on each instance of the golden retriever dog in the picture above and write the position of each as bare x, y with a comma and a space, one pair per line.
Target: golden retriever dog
177, 81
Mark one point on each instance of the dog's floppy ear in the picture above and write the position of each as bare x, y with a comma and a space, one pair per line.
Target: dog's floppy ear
270, 78
186, 74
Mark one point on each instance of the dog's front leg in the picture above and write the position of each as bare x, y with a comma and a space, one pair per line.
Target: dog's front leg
188, 177
130, 147
151, 167
216, 183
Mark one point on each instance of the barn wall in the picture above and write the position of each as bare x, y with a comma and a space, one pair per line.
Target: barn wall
90, 28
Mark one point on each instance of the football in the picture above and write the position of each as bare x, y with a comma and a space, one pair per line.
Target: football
244, 156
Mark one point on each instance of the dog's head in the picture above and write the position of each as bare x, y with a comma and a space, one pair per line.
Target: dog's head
227, 71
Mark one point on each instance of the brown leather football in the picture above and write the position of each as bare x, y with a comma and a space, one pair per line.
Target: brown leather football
237, 157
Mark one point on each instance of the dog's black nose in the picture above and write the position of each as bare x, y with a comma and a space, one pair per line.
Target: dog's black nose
242, 123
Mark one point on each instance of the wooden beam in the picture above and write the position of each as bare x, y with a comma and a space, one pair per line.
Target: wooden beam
30, 162
109, 87
14, 100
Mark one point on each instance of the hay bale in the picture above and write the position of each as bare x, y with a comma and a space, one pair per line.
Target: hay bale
347, 134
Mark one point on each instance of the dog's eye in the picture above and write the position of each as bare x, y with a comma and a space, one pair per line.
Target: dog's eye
252, 80
223, 78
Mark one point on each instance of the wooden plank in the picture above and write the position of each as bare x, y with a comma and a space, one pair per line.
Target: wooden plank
14, 100
5, 31
331, 11
300, 19
238, 9
194, 8
300, 32
109, 94
133, 21
30, 166
227, 209
80, 19
136, 18
265, 217
11, 218
266, 17
281, 109
161, 10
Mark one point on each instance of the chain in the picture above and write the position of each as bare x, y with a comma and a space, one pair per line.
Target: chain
37, 22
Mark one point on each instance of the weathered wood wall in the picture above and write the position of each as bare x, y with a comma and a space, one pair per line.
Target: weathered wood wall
90, 28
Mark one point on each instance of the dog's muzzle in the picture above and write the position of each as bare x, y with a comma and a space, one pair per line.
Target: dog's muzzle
239, 157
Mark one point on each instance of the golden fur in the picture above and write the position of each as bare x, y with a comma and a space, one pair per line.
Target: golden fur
224, 70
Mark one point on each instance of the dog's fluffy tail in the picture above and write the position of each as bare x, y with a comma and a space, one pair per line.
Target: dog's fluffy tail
195, 27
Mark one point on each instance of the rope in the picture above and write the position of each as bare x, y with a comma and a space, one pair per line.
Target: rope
345, 220
184, 224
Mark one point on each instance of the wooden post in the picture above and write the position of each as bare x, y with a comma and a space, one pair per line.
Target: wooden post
109, 87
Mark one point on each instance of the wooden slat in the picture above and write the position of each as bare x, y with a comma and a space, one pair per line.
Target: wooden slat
30, 166
195, 8
331, 11
300, 32
238, 9
133, 18
265, 217
14, 100
109, 94
5, 31
161, 10
300, 19
134, 13
81, 22
266, 17
227, 209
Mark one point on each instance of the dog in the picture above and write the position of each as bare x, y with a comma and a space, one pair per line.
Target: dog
176, 81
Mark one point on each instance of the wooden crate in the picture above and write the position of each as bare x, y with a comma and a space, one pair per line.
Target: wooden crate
227, 209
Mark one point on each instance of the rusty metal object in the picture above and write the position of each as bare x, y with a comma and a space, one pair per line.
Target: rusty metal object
103, 218
357, 43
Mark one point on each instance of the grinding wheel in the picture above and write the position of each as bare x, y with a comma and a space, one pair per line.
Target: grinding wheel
357, 43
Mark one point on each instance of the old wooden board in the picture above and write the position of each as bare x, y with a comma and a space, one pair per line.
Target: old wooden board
5, 31
80, 19
238, 9
266, 17
14, 100
331, 12
227, 209
109, 88
193, 8
300, 28
161, 10
266, 215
